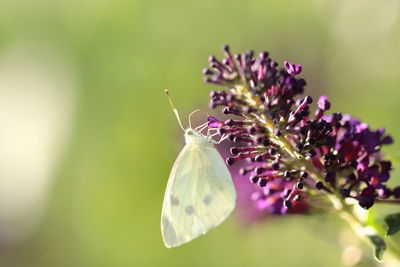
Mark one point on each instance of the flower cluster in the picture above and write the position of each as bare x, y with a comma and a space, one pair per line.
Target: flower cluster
292, 154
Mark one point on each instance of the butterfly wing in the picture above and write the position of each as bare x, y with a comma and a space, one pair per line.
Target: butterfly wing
199, 196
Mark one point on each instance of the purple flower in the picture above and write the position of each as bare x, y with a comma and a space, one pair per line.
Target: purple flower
292, 69
291, 156
214, 123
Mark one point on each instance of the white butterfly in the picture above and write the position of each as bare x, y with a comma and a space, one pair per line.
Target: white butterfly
200, 194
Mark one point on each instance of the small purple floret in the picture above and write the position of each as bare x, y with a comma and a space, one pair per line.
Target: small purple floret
213, 122
292, 69
323, 103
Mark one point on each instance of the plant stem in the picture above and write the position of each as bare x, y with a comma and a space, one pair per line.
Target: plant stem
363, 230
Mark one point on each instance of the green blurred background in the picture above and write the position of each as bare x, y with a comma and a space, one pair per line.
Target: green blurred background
87, 137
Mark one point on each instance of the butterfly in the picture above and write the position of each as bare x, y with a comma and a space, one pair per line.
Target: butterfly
200, 194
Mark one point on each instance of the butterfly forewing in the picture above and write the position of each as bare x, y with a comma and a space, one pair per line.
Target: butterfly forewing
199, 196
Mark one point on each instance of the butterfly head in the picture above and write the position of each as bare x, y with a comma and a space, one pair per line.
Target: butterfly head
193, 135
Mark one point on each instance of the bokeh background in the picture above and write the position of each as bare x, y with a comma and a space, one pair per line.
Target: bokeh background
87, 137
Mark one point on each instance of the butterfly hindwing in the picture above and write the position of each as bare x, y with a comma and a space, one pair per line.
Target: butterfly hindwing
199, 196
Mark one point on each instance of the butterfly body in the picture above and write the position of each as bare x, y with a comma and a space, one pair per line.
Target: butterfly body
200, 194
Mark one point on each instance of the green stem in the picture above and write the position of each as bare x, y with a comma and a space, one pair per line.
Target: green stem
362, 230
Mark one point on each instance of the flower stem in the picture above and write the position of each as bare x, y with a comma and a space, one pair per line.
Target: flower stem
363, 230
268, 123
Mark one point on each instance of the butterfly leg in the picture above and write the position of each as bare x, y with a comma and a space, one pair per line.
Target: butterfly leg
210, 135
201, 127
210, 130
223, 137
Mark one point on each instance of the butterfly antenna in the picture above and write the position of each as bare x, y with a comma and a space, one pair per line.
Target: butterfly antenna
193, 112
174, 109
190, 116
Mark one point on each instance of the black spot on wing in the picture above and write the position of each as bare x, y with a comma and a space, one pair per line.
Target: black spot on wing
189, 210
174, 201
207, 200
